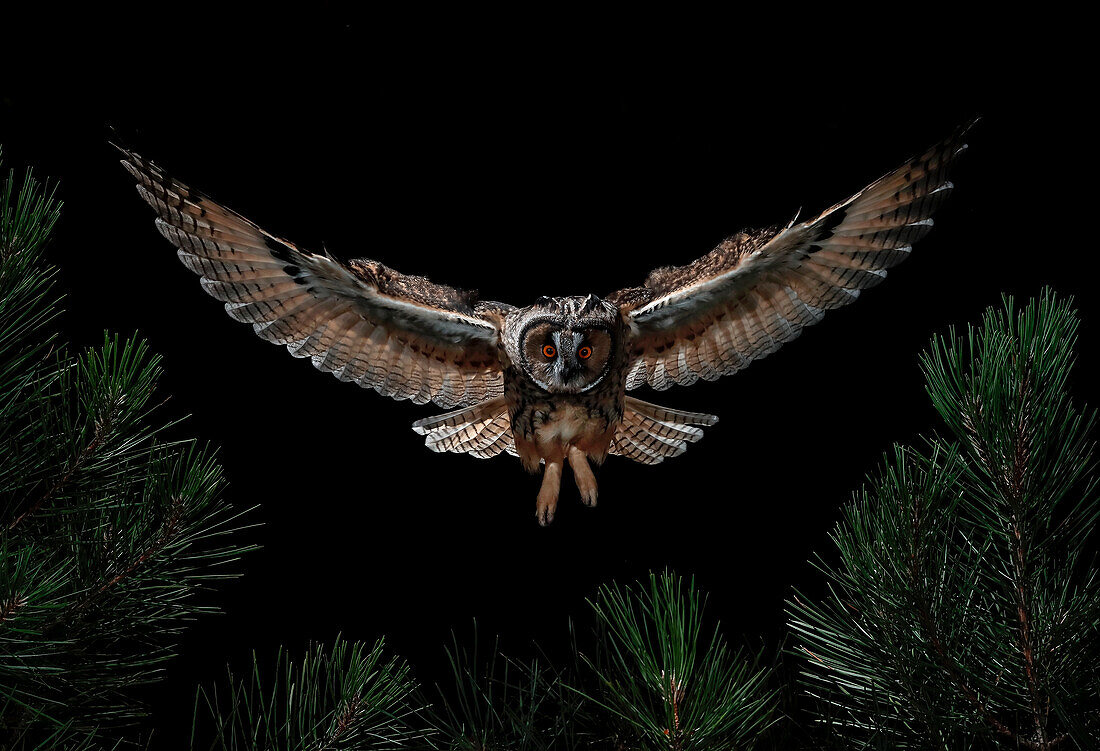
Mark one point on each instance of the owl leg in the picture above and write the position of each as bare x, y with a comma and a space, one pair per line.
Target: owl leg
582, 473
548, 494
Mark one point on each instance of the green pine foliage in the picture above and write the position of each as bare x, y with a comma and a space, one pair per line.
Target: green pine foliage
964, 608
499, 703
656, 679
664, 680
108, 530
347, 696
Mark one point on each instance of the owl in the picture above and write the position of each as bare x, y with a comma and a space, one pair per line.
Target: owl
549, 382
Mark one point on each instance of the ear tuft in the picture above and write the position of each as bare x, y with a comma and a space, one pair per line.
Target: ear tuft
590, 304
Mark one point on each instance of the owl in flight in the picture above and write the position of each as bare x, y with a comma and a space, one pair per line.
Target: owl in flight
548, 382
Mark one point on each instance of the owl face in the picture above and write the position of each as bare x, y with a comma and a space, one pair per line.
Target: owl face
565, 345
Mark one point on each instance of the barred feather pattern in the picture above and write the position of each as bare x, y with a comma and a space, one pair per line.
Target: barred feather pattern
399, 335
483, 430
756, 291
649, 434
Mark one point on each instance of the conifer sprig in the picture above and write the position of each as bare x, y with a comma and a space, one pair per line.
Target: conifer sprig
498, 702
666, 681
963, 609
347, 696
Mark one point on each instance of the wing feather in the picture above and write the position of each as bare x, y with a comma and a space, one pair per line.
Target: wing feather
650, 433
757, 291
401, 335
483, 430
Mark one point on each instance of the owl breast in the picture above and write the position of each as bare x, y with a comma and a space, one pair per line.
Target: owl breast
544, 425
570, 424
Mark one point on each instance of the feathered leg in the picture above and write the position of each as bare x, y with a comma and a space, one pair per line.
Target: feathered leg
548, 493
582, 473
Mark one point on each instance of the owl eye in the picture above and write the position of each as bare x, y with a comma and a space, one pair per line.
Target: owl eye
584, 352
548, 351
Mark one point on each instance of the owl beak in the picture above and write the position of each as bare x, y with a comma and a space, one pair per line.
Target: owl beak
570, 371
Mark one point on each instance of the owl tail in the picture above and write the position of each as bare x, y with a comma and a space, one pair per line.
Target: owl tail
482, 430
649, 434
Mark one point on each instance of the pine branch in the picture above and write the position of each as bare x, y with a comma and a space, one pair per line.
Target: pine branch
500, 702
342, 697
963, 602
107, 532
66, 477
666, 683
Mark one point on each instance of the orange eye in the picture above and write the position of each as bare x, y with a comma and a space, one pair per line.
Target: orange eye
548, 351
584, 352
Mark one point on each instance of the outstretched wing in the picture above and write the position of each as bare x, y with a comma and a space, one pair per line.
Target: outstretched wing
401, 335
754, 292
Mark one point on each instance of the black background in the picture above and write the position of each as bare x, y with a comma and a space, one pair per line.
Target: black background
523, 157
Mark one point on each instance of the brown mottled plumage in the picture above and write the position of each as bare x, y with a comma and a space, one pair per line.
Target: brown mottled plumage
548, 382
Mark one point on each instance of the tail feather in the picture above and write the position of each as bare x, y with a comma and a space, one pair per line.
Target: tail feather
649, 433
483, 430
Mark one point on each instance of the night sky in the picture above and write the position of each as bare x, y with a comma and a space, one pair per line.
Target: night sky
525, 164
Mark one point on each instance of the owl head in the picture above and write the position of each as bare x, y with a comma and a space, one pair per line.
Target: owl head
566, 345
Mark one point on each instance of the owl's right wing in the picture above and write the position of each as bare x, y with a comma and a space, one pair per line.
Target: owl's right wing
754, 292
401, 335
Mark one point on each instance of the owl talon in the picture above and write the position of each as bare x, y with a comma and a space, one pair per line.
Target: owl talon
582, 474
547, 502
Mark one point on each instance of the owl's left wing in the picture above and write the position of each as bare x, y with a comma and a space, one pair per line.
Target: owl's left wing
401, 335
754, 292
